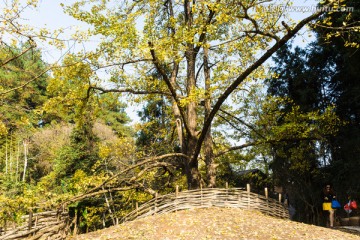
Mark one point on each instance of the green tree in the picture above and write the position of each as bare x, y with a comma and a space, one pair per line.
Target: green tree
204, 51
112, 113
303, 76
342, 51
329, 68
20, 107
156, 136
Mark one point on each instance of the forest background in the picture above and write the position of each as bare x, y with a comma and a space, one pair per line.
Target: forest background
213, 105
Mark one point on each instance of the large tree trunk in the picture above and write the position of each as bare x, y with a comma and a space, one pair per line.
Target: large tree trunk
208, 143
209, 160
193, 175
192, 170
191, 166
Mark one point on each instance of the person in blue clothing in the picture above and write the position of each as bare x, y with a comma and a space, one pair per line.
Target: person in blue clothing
328, 194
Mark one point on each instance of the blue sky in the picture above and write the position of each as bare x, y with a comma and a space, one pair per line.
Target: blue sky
50, 14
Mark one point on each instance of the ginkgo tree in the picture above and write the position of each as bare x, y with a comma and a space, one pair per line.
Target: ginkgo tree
20, 40
204, 51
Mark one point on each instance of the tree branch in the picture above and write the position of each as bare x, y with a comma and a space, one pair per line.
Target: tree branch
32, 45
244, 123
169, 84
245, 74
129, 90
203, 34
130, 182
26, 83
152, 159
271, 141
123, 64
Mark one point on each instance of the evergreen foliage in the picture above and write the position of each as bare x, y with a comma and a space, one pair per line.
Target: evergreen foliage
324, 74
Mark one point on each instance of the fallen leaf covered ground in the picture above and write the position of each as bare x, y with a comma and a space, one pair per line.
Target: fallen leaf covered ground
216, 223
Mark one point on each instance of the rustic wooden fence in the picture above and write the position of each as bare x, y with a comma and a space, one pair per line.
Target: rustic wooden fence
45, 225
55, 225
210, 197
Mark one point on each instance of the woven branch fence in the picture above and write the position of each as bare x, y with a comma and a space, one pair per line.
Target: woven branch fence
55, 225
45, 225
210, 197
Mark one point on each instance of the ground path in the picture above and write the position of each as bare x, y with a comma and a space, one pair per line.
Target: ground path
219, 224
350, 229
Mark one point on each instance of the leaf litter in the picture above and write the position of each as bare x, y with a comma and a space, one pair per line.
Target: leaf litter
215, 224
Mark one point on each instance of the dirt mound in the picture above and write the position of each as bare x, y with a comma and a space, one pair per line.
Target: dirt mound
216, 223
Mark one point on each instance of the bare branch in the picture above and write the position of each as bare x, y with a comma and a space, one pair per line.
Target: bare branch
152, 159
256, 25
32, 45
346, 28
26, 83
130, 182
129, 90
244, 123
271, 141
123, 64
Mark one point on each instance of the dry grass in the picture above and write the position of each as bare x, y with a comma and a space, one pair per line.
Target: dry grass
216, 223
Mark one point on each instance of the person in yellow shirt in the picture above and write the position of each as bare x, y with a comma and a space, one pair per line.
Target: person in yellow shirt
328, 195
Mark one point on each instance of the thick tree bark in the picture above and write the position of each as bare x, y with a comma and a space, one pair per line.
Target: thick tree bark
191, 166
208, 142
192, 170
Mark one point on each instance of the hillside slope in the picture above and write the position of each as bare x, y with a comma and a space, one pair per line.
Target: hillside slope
216, 223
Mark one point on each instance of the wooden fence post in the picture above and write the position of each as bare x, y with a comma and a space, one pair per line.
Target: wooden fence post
30, 220
75, 222
266, 193
201, 195
156, 195
248, 193
227, 194
267, 197
137, 208
176, 196
36, 220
